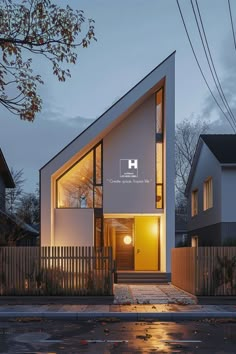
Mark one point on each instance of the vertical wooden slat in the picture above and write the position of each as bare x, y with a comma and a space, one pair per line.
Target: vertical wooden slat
82, 267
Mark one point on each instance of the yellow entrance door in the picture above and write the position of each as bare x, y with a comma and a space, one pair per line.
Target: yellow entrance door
146, 243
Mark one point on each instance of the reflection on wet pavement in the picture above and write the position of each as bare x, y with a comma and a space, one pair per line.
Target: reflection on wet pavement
112, 336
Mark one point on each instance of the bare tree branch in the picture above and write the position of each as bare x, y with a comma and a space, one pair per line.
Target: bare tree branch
187, 134
37, 27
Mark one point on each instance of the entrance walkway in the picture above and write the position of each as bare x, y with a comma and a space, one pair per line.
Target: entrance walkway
151, 294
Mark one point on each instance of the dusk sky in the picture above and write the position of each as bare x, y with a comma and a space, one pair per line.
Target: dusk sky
134, 36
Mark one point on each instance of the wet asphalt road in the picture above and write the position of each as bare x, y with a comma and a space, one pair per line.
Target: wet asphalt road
111, 336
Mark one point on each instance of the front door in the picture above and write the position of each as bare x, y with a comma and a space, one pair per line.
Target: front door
146, 243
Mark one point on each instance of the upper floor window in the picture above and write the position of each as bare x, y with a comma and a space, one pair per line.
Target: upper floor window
208, 194
194, 203
81, 185
159, 176
159, 149
159, 115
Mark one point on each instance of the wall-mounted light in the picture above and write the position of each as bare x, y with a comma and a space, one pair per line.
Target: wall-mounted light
127, 240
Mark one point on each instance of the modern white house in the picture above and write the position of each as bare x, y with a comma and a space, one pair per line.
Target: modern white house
113, 185
211, 191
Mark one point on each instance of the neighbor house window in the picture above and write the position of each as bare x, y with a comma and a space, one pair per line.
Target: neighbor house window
81, 185
194, 206
159, 149
208, 194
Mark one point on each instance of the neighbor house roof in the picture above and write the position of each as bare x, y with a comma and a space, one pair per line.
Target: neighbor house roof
21, 224
222, 146
5, 172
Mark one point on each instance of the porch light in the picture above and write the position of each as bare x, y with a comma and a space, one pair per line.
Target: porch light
127, 240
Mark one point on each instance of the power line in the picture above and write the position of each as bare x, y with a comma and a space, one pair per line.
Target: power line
211, 65
232, 24
199, 66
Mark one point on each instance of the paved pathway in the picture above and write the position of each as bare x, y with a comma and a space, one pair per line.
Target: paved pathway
151, 294
132, 302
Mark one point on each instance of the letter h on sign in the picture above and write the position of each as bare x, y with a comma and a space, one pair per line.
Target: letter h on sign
133, 164
128, 168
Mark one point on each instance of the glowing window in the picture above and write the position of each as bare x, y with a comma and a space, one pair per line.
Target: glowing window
208, 194
80, 186
159, 111
159, 176
194, 203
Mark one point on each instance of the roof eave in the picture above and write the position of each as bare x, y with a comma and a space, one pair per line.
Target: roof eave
193, 166
5, 172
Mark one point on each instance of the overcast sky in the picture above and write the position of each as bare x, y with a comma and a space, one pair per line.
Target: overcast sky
133, 36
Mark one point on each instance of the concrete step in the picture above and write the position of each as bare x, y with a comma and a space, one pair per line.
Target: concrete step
126, 277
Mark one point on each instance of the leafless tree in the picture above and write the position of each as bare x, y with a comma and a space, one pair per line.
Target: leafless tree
13, 194
186, 138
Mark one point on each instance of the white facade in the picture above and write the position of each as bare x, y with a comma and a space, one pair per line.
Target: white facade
127, 132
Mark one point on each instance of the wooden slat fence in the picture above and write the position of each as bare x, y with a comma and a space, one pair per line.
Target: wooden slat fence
205, 270
56, 271
183, 272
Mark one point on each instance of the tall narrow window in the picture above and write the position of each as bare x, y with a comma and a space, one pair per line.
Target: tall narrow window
159, 114
98, 161
98, 242
208, 194
159, 149
194, 203
81, 185
159, 176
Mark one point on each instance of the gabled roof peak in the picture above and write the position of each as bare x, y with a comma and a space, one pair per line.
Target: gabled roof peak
5, 172
143, 89
223, 146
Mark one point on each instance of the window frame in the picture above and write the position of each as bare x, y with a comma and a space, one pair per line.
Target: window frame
208, 194
93, 150
159, 140
194, 200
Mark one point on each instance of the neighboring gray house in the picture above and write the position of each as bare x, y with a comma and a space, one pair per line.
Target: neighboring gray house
211, 192
180, 227
13, 231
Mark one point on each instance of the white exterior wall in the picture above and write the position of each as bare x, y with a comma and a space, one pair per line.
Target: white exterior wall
168, 226
74, 227
207, 166
228, 200
133, 138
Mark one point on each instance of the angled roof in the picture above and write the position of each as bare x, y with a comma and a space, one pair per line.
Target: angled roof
223, 146
5, 172
21, 224
126, 104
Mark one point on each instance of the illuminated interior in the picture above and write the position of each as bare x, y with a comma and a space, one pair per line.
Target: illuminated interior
159, 111
159, 149
159, 175
81, 185
135, 242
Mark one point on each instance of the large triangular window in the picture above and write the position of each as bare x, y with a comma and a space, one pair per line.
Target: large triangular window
81, 185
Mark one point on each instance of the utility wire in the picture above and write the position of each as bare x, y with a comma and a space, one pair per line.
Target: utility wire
232, 24
199, 66
209, 59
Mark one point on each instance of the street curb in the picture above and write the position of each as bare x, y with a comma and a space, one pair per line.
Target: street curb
128, 316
